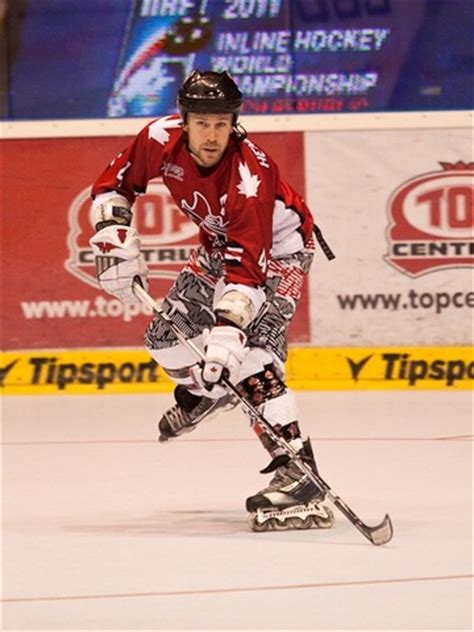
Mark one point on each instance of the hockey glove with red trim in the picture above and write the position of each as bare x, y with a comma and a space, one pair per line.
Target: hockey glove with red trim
118, 261
225, 350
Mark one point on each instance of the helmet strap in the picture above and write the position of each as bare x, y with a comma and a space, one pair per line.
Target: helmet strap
240, 131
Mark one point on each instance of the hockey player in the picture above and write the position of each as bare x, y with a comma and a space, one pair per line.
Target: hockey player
237, 294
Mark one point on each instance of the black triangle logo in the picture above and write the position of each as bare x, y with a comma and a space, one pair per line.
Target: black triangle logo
356, 367
4, 371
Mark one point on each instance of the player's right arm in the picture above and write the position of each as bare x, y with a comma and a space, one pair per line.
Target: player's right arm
116, 245
128, 173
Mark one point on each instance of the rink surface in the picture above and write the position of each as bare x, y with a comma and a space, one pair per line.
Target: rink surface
106, 529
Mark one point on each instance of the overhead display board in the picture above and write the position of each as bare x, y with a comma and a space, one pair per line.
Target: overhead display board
127, 58
300, 56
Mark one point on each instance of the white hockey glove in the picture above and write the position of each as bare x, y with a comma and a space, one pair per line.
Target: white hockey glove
225, 351
118, 261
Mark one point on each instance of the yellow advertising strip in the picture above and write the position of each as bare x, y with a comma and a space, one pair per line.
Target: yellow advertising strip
371, 368
82, 371
308, 368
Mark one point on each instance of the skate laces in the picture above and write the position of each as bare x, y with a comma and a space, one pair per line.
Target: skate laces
179, 418
285, 475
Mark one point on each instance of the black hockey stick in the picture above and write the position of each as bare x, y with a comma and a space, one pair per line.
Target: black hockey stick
380, 534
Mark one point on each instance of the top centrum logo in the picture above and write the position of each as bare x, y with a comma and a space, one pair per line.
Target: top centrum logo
432, 221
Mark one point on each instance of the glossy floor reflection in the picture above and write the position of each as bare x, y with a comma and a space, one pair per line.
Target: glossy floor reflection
104, 528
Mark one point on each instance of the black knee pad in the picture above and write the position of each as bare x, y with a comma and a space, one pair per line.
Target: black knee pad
261, 387
290, 431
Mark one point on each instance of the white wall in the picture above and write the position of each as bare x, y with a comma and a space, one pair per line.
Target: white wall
350, 179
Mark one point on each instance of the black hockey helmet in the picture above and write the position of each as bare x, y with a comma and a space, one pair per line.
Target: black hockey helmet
209, 93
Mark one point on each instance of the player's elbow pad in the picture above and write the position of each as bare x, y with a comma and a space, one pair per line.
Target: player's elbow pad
109, 209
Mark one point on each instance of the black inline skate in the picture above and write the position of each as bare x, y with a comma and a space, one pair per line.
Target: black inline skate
291, 500
189, 411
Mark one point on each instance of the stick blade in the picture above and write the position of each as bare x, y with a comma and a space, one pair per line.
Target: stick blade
382, 533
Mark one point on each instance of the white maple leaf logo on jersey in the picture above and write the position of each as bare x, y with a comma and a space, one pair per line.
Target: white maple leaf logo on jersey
157, 130
249, 183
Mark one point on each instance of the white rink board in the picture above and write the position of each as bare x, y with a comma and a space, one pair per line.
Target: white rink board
350, 176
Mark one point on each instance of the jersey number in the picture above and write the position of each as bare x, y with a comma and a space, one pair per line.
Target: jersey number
121, 173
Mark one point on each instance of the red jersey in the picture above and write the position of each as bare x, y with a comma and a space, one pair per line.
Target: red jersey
245, 212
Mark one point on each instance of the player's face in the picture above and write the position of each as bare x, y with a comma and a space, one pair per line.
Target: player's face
208, 136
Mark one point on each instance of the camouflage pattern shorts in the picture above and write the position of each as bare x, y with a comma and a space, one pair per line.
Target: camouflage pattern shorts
189, 301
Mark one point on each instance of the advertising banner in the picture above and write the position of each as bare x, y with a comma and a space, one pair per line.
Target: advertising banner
397, 208
50, 295
133, 371
288, 56
282, 54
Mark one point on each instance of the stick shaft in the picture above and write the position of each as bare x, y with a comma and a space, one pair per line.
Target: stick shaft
377, 535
